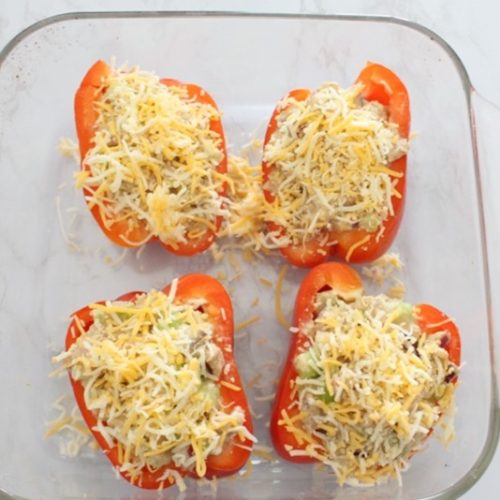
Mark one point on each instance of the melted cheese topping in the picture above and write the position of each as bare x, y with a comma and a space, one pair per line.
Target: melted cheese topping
370, 387
154, 160
150, 372
331, 158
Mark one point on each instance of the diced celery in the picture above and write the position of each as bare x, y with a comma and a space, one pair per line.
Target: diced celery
326, 397
405, 313
369, 223
304, 364
210, 390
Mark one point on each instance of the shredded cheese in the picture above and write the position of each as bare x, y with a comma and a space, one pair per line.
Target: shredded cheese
70, 427
245, 324
267, 397
68, 237
171, 475
266, 282
69, 148
355, 246
440, 323
264, 452
248, 471
153, 163
254, 380
221, 275
234, 262
247, 210
331, 164
397, 290
383, 268
116, 262
233, 387
370, 387
154, 160
150, 371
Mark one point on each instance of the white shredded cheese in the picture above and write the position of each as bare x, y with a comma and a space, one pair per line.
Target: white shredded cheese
69, 148
247, 210
383, 268
330, 158
370, 387
69, 426
150, 372
154, 158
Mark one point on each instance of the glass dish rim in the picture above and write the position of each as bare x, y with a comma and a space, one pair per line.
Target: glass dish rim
477, 470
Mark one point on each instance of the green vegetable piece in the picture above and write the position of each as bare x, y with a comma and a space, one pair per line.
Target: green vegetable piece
393, 441
370, 223
170, 324
124, 316
405, 313
210, 390
304, 364
326, 397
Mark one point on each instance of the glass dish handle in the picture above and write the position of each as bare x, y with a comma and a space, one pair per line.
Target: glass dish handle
486, 129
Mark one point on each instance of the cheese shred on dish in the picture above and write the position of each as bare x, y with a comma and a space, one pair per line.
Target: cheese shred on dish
150, 371
154, 159
330, 157
247, 209
370, 387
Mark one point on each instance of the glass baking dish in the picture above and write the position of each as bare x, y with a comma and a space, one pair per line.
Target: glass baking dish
247, 62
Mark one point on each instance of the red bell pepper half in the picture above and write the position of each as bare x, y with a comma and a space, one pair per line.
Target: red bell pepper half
219, 309
345, 280
86, 115
383, 86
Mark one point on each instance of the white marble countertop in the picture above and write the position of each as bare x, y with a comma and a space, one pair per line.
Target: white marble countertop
471, 28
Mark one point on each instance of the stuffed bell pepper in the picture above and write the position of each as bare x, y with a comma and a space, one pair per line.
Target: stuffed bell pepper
334, 168
155, 379
153, 158
366, 381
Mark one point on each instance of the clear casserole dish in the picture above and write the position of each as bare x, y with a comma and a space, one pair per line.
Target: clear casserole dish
247, 62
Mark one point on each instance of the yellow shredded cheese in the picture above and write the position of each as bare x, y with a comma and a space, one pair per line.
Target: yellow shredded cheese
233, 387
254, 380
150, 371
245, 324
264, 452
69, 148
68, 237
331, 158
171, 475
383, 268
267, 397
247, 210
154, 158
234, 262
370, 388
248, 471
266, 282
397, 290
255, 302
221, 275
440, 323
355, 246
116, 262
69, 426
